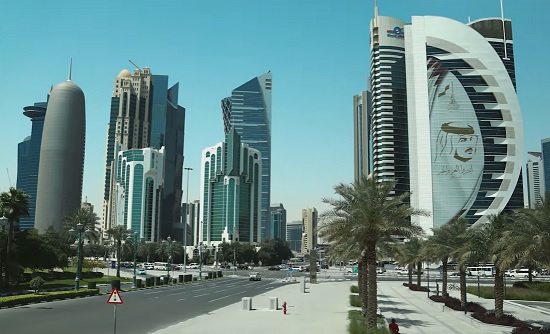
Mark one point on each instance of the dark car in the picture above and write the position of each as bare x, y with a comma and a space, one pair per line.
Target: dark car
274, 268
307, 269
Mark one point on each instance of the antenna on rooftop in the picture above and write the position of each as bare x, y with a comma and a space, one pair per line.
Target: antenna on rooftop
9, 178
503, 31
70, 69
131, 62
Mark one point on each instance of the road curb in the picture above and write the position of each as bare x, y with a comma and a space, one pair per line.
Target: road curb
527, 307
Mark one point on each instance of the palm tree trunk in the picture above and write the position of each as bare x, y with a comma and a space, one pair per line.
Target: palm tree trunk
445, 263
499, 292
8, 252
363, 286
360, 275
463, 300
410, 273
372, 302
118, 251
418, 273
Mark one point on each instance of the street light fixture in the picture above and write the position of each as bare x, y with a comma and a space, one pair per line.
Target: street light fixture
188, 169
202, 247
134, 238
79, 230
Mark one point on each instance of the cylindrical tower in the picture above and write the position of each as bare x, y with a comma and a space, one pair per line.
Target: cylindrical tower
61, 166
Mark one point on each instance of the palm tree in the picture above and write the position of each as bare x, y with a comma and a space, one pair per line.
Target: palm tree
366, 215
488, 244
443, 243
147, 250
410, 254
14, 204
88, 221
118, 234
529, 237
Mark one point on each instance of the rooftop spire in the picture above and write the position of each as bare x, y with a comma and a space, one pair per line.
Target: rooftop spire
70, 69
376, 10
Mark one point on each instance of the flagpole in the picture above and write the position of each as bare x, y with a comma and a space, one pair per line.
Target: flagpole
503, 30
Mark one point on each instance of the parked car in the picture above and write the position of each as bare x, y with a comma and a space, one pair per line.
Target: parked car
255, 276
192, 266
141, 271
274, 268
522, 273
307, 269
324, 266
149, 266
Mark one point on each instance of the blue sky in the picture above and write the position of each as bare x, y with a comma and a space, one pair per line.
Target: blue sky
318, 51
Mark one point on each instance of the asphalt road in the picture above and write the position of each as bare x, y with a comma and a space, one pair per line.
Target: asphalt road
143, 311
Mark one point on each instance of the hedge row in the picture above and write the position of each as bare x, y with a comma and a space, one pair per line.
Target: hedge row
55, 275
45, 296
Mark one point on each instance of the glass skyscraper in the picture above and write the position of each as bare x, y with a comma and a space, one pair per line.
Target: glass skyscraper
278, 221
248, 110
28, 159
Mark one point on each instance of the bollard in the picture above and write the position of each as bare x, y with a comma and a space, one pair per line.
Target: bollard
284, 308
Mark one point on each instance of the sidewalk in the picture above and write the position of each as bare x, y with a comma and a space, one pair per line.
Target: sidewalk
415, 313
323, 309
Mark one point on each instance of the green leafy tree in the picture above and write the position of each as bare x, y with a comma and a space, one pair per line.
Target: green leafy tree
38, 252
118, 234
147, 251
14, 204
368, 214
274, 251
36, 283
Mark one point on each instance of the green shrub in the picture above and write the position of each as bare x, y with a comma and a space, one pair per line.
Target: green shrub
355, 300
354, 289
36, 283
358, 324
48, 296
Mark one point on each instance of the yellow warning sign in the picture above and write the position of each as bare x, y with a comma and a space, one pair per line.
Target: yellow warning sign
114, 298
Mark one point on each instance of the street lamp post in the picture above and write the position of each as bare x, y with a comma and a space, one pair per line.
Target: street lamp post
134, 239
188, 169
79, 230
202, 247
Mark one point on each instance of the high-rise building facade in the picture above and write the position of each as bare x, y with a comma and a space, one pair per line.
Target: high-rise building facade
545, 147
278, 221
534, 182
230, 192
465, 127
128, 126
61, 167
390, 152
28, 159
248, 110
167, 130
145, 113
362, 139
139, 179
193, 221
294, 231
309, 224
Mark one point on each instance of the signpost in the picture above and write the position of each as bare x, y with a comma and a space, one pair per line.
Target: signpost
114, 299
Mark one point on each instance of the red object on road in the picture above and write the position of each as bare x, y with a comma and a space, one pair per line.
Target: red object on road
284, 308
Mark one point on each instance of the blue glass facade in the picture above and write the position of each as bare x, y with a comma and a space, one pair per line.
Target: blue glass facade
28, 159
167, 129
250, 115
278, 222
294, 235
545, 145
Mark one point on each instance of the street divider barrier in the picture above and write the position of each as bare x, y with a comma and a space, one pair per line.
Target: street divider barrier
139, 283
157, 281
187, 278
92, 285
180, 278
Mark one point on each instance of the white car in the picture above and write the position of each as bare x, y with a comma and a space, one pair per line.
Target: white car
192, 266
522, 273
255, 277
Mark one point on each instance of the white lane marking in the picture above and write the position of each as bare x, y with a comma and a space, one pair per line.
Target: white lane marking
179, 300
204, 294
177, 293
154, 292
213, 300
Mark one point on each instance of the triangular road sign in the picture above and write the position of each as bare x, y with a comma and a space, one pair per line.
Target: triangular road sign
114, 298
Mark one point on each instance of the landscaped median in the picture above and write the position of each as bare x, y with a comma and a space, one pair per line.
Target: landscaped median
357, 322
25, 299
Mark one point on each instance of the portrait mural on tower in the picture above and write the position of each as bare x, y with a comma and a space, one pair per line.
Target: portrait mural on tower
456, 145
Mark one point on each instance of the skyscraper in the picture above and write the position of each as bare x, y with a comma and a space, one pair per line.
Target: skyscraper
362, 138
145, 113
534, 179
167, 129
230, 192
278, 221
309, 224
294, 233
248, 110
390, 152
61, 166
545, 146
465, 124
28, 159
139, 179
128, 126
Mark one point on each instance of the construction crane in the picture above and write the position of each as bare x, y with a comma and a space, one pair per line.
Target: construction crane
131, 62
